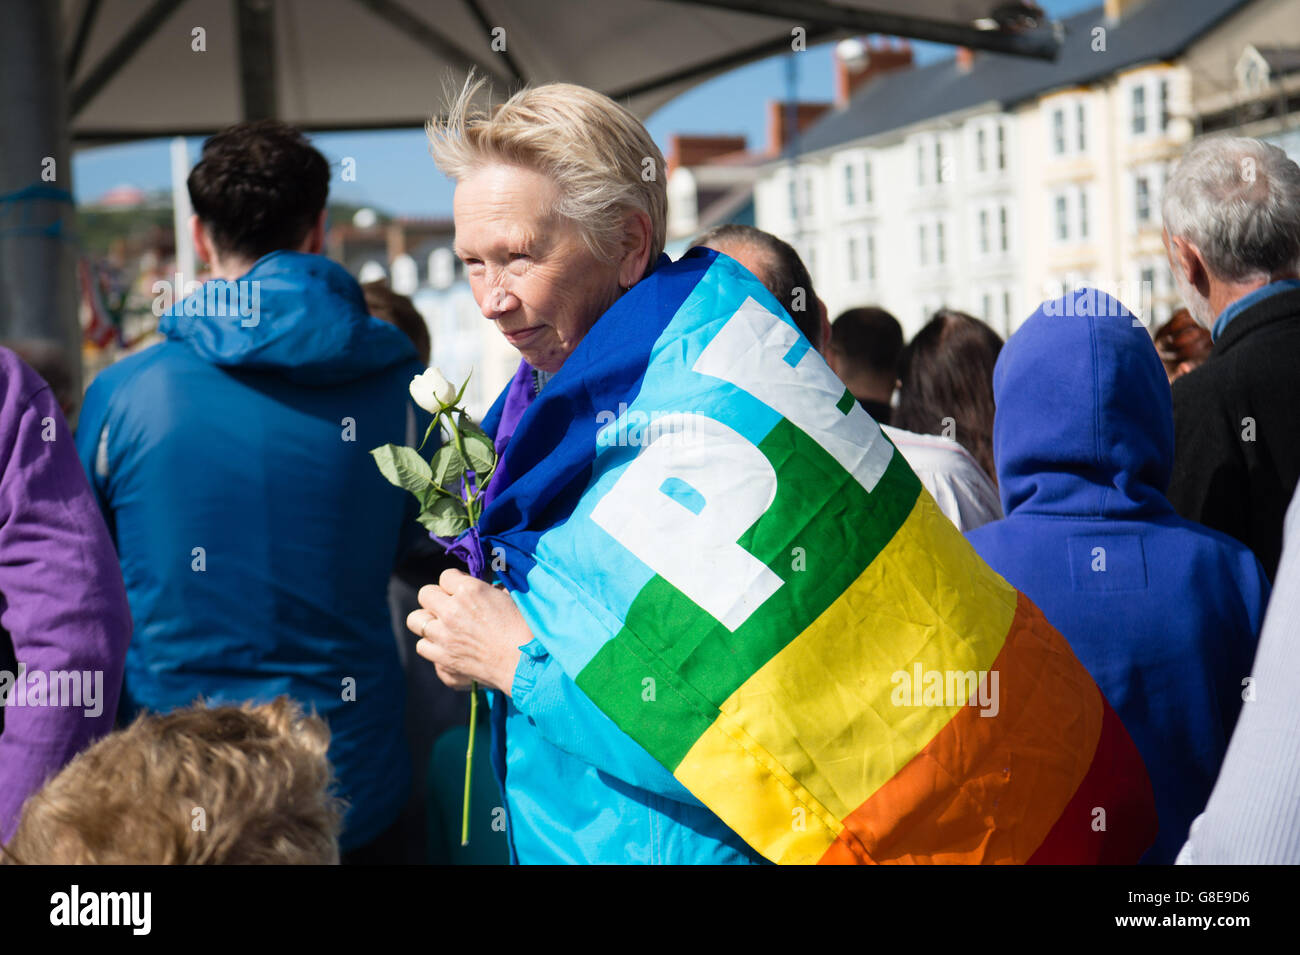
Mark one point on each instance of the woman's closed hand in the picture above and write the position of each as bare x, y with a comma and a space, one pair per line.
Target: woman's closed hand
470, 631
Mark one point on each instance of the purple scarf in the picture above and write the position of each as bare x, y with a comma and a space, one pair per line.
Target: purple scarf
520, 393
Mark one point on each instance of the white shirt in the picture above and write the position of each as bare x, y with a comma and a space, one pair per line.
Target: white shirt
956, 482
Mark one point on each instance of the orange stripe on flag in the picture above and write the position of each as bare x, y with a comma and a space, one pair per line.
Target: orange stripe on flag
989, 789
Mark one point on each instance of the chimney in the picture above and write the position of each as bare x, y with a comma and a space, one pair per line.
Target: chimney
687, 150
779, 132
965, 59
395, 239
1117, 9
858, 61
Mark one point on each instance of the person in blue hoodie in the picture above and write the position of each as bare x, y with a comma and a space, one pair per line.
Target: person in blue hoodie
1163, 612
232, 464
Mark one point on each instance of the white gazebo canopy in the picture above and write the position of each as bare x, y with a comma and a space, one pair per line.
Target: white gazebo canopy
169, 67
79, 72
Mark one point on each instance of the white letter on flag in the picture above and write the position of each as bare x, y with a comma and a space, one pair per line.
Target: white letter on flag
681, 506
759, 353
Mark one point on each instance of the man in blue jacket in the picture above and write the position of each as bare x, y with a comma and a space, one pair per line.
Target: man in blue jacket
1163, 612
231, 461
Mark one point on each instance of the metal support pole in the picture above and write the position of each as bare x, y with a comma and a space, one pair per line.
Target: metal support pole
186, 262
255, 23
38, 288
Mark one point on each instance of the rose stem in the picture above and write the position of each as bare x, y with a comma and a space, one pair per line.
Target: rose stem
469, 763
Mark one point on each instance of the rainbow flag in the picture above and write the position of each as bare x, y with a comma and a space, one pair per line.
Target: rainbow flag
734, 563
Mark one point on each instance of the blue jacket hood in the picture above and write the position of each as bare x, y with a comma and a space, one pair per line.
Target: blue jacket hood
302, 316
1084, 421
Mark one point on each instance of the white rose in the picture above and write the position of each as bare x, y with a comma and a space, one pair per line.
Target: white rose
432, 391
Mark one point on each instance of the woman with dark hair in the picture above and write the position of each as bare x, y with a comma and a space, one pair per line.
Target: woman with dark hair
946, 383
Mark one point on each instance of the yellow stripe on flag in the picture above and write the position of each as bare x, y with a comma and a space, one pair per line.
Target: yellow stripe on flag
832, 707
756, 797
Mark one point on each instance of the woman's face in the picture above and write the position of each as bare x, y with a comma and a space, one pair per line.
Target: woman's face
529, 268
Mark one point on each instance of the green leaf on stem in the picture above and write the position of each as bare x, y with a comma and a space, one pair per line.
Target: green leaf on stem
428, 431
468, 425
445, 517
460, 394
404, 467
480, 452
448, 468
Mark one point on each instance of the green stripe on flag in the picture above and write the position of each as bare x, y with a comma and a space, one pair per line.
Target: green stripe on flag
819, 535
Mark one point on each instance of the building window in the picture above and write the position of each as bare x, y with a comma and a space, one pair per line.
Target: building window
986, 312
920, 237
853, 260
1006, 310
940, 174
1142, 199
850, 198
1002, 147
794, 199
807, 195
920, 165
1081, 132
938, 243
984, 232
1164, 106
871, 257
981, 150
1083, 213
1146, 289
1058, 132
1139, 110
1002, 228
1062, 218
866, 182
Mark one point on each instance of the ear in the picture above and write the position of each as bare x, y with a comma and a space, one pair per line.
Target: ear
202, 247
637, 236
315, 240
1185, 258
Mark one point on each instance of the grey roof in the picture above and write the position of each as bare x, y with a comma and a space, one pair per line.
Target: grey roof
726, 206
1157, 30
1280, 59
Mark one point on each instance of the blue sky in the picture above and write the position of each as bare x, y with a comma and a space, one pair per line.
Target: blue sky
396, 175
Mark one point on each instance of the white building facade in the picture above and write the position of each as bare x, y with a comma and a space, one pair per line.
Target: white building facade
994, 206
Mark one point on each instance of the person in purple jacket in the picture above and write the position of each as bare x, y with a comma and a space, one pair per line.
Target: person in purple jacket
62, 601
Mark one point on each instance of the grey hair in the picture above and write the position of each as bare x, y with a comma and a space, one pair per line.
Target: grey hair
599, 155
1238, 201
786, 274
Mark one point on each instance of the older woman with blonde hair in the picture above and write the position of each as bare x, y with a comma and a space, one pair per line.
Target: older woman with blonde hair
685, 519
560, 208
